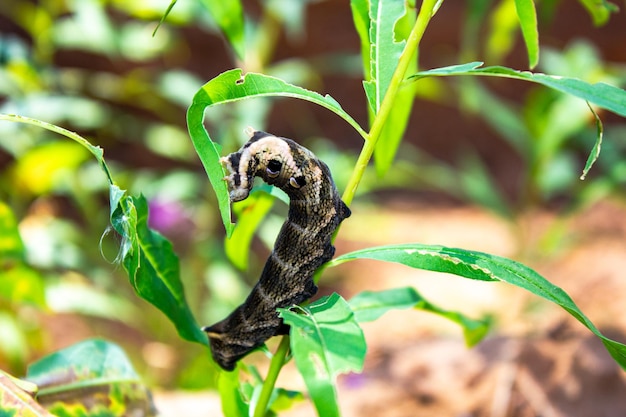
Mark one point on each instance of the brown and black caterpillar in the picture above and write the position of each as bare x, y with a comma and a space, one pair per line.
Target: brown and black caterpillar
303, 244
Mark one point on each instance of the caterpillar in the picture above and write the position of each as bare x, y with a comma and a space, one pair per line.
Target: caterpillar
303, 243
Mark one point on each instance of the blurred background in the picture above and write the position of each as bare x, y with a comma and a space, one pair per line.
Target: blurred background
490, 165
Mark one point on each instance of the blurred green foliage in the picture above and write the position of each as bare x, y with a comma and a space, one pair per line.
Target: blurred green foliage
96, 67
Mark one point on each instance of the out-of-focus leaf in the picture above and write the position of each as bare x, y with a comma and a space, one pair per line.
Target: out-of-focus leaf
527, 16
91, 377
228, 15
251, 212
233, 403
326, 340
600, 10
595, 152
485, 267
229, 87
16, 402
22, 284
42, 168
152, 265
504, 25
478, 185
603, 95
14, 346
11, 245
370, 305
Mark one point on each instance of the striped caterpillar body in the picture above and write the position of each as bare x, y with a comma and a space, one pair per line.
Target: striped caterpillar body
303, 244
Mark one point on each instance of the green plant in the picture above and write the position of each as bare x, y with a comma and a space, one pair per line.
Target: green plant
390, 45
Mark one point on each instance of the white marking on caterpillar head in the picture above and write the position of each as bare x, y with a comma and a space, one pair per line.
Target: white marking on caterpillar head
265, 149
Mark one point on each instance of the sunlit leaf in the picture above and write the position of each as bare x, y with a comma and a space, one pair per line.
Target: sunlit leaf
229, 87
399, 116
485, 267
91, 377
22, 284
527, 16
601, 94
370, 305
43, 168
384, 50
326, 340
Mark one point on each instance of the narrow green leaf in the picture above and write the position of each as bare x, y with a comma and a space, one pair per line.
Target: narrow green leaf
228, 15
370, 305
232, 86
326, 340
153, 267
601, 94
251, 212
384, 50
527, 16
162, 20
482, 266
399, 116
595, 152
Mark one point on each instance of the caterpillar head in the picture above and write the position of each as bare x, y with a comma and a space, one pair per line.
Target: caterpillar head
278, 161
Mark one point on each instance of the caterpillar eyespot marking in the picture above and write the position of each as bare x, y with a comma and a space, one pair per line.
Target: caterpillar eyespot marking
287, 278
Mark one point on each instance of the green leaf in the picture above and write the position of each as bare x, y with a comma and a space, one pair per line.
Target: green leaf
326, 340
251, 212
152, 266
370, 305
11, 245
600, 10
527, 16
601, 94
384, 50
93, 377
485, 267
228, 15
233, 402
229, 87
399, 116
595, 152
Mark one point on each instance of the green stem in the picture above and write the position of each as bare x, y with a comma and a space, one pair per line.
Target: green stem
278, 360
423, 18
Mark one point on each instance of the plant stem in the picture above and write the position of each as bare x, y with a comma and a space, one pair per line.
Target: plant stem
277, 363
423, 18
